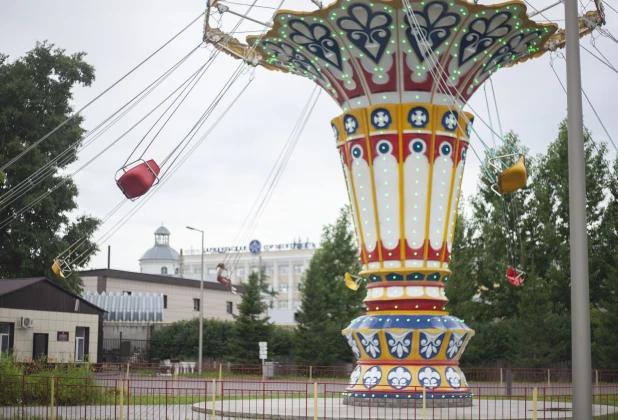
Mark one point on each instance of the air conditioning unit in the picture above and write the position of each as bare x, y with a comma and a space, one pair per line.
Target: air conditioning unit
26, 322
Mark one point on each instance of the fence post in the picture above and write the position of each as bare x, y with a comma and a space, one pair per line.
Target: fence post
548, 378
214, 399
51, 399
424, 404
174, 379
597, 377
310, 373
127, 375
121, 402
220, 371
500, 377
534, 401
315, 401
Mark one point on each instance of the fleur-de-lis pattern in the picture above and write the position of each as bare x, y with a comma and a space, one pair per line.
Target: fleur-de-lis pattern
353, 345
365, 52
371, 344
356, 373
433, 26
399, 345
372, 377
454, 344
367, 30
429, 377
482, 33
399, 378
316, 38
453, 378
430, 344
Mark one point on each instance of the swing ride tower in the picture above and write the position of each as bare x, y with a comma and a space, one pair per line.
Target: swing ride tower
402, 73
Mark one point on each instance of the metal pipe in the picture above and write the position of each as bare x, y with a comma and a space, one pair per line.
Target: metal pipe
109, 256
580, 293
223, 8
201, 335
538, 12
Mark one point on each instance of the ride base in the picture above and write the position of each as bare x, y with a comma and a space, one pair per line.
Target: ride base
405, 162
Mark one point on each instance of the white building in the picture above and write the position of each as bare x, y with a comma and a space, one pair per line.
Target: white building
284, 265
161, 258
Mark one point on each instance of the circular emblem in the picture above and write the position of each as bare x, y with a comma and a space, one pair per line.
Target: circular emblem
255, 247
381, 118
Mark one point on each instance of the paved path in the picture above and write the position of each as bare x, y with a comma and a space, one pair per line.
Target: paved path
104, 412
333, 409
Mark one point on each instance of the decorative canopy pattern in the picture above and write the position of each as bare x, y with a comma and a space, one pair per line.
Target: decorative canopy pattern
367, 53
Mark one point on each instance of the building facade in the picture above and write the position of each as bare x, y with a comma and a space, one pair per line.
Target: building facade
180, 297
39, 319
284, 266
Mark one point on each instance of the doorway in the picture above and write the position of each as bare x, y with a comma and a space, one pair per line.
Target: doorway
39, 347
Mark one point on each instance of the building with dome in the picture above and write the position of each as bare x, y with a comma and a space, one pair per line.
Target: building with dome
161, 258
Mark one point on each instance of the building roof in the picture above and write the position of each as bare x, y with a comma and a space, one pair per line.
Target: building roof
162, 231
161, 252
9, 286
124, 307
210, 282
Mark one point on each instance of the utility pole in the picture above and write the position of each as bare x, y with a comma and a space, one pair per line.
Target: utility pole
199, 356
580, 293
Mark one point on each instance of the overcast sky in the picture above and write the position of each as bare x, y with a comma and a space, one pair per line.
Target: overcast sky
219, 183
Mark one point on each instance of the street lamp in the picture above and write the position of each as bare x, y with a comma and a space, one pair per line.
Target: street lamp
199, 358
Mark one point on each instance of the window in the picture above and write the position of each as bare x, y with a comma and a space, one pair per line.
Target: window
298, 269
284, 269
283, 304
81, 343
269, 271
196, 304
212, 271
6, 337
297, 304
297, 287
284, 287
176, 271
163, 270
164, 301
240, 272
229, 307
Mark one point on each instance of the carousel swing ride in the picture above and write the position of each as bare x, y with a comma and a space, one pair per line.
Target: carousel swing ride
402, 71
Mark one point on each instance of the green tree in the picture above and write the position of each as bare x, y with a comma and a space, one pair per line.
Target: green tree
35, 96
181, 340
604, 276
251, 324
328, 305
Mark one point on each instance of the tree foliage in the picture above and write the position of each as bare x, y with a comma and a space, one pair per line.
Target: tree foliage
251, 324
529, 326
327, 305
35, 96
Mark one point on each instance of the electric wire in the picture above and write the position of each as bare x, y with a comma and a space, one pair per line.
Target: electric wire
277, 170
62, 124
112, 231
70, 152
65, 179
591, 106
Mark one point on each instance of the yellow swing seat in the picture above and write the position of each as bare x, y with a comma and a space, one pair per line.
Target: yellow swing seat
511, 179
351, 283
61, 268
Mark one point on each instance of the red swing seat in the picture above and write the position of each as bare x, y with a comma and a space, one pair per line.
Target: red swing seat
139, 179
515, 277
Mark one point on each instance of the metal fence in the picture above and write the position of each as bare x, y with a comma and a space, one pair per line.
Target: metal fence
178, 398
221, 371
116, 350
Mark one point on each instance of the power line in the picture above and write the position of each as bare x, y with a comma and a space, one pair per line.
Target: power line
62, 124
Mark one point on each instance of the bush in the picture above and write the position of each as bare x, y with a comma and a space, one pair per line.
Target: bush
30, 383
